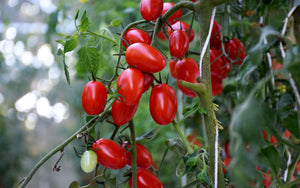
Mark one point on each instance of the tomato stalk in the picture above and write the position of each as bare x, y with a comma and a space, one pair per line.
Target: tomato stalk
183, 138
133, 153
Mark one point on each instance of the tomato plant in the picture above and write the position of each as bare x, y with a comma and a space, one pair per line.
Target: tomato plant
178, 43
175, 16
109, 153
187, 69
163, 101
182, 26
145, 58
146, 179
148, 80
144, 157
131, 86
172, 65
94, 97
134, 35
88, 161
219, 64
236, 50
122, 113
215, 39
151, 9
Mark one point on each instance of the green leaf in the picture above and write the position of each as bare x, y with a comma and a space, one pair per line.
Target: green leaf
62, 42
66, 70
89, 56
71, 44
291, 124
115, 22
84, 25
175, 144
74, 184
76, 16
271, 156
60, 52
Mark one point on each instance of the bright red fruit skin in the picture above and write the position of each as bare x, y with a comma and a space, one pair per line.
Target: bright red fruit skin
219, 64
131, 84
178, 43
175, 16
148, 80
122, 113
146, 179
172, 65
110, 154
135, 35
235, 49
215, 38
143, 156
145, 58
181, 25
187, 69
216, 84
94, 97
161, 36
151, 9
163, 104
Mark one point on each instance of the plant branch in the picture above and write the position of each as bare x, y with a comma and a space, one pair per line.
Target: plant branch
183, 138
133, 154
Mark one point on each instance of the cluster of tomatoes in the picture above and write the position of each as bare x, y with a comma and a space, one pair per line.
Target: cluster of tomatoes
143, 61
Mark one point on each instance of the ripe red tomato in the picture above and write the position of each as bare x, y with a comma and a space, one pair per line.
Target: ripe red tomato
187, 69
146, 179
219, 64
163, 104
267, 179
151, 9
215, 38
132, 85
161, 36
175, 16
287, 134
235, 49
93, 98
272, 139
143, 156
148, 80
172, 65
227, 162
145, 58
122, 113
109, 153
216, 84
181, 25
135, 35
178, 43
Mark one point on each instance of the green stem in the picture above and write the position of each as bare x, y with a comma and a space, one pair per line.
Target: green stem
290, 184
100, 35
291, 167
133, 154
183, 138
92, 181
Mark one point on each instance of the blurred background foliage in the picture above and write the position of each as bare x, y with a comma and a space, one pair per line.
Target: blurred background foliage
39, 109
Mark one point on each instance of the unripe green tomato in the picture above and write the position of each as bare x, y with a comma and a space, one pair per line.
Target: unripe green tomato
88, 161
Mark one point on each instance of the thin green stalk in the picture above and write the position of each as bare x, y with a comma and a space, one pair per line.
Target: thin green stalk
290, 184
183, 138
133, 154
100, 35
291, 167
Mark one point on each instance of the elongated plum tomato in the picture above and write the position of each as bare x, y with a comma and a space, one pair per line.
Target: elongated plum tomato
215, 38
183, 26
216, 84
122, 113
163, 104
109, 153
219, 64
151, 9
145, 179
143, 156
94, 97
148, 80
135, 35
88, 161
187, 69
145, 58
174, 16
178, 43
235, 49
172, 65
131, 84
